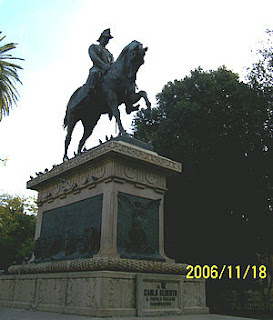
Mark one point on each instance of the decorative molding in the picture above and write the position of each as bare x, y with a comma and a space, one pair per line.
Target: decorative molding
110, 264
60, 188
130, 172
117, 148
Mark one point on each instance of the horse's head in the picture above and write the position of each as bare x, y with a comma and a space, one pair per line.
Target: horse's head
133, 57
136, 53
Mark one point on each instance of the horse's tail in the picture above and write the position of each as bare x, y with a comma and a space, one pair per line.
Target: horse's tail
67, 115
71, 104
65, 119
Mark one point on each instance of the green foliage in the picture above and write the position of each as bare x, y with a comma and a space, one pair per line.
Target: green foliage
8, 78
260, 76
17, 227
216, 126
207, 113
220, 210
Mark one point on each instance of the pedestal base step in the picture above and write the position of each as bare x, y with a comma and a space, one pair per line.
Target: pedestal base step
106, 263
104, 293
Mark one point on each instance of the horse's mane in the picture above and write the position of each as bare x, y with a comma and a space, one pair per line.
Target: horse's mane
130, 46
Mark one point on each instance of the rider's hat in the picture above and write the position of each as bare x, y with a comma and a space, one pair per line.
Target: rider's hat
105, 33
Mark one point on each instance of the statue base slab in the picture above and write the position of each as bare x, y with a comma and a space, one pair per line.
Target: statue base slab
104, 293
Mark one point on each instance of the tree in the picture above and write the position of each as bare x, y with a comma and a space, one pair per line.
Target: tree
260, 78
216, 126
219, 211
17, 227
8, 78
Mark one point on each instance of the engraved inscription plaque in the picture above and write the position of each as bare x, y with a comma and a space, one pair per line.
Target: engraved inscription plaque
159, 294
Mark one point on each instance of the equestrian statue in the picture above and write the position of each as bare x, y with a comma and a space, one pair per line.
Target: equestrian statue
109, 84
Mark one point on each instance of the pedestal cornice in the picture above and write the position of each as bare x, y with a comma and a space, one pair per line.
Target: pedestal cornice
102, 153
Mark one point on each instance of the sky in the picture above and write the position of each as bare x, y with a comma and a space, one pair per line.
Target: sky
53, 37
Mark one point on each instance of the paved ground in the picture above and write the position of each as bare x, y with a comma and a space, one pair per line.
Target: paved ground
18, 314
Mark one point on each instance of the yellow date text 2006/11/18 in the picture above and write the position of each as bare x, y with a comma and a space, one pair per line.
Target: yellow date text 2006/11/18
226, 271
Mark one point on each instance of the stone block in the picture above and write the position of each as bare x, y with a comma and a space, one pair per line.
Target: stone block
105, 293
159, 295
107, 202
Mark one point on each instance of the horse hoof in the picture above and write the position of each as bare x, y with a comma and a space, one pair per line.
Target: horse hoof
136, 107
123, 133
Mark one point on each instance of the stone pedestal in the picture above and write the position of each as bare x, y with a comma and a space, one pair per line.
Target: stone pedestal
113, 194
99, 246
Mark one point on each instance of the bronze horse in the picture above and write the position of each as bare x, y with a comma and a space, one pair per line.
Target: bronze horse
117, 86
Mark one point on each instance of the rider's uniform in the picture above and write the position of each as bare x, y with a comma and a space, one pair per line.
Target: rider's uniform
102, 60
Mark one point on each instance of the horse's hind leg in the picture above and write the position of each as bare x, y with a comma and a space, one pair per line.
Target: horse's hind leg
116, 114
88, 129
111, 99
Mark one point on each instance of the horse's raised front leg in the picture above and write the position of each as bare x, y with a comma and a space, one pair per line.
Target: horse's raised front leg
143, 94
135, 97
